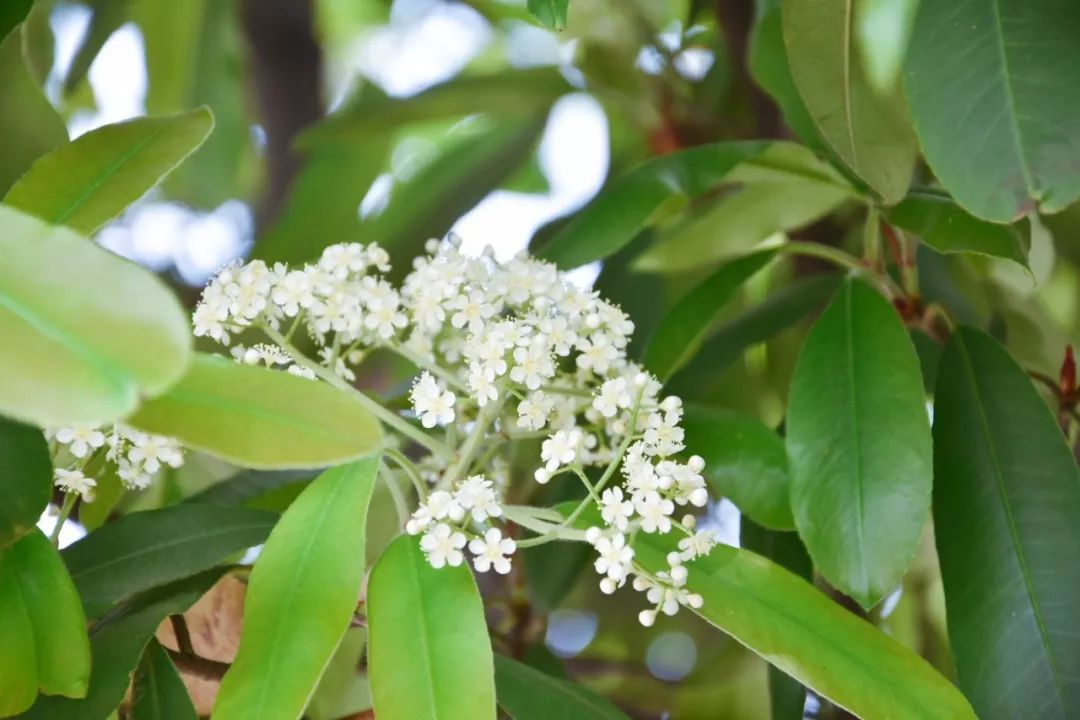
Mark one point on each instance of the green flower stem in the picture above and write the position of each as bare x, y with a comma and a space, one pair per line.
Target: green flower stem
387, 476
409, 469
838, 257
588, 485
472, 444
373, 406
424, 364
65, 510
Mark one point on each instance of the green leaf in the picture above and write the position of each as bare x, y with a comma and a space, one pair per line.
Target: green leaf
116, 644
43, 626
744, 462
442, 665
804, 633
73, 353
248, 485
1008, 67
107, 17
142, 550
867, 129
260, 418
947, 228
528, 694
12, 13
302, 595
787, 696
551, 13
1006, 503
682, 330
90, 180
26, 479
28, 123
157, 691
858, 441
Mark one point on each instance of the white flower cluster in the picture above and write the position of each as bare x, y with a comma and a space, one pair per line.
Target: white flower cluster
506, 351
138, 456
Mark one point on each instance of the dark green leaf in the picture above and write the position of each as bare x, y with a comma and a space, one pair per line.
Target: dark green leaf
804, 633
260, 418
90, 180
786, 694
43, 618
157, 691
142, 550
1008, 67
26, 479
12, 13
947, 228
550, 12
302, 595
72, 353
441, 666
744, 462
116, 643
1006, 503
28, 123
858, 440
867, 129
250, 484
528, 694
682, 330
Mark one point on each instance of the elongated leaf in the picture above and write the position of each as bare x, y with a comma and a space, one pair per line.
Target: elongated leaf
1006, 500
947, 228
250, 484
310, 572
107, 17
90, 180
11, 14
858, 440
260, 418
116, 643
620, 211
528, 694
779, 311
804, 633
682, 330
142, 550
1008, 66
44, 623
867, 129
73, 352
551, 13
429, 654
26, 479
744, 462
157, 692
28, 123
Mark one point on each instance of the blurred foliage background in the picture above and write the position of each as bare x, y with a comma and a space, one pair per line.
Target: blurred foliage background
393, 122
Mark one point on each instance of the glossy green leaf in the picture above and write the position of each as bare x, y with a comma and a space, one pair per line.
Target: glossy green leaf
12, 13
858, 441
28, 123
1007, 67
429, 653
89, 181
157, 692
116, 644
248, 485
867, 129
787, 696
72, 352
551, 13
806, 634
260, 418
685, 326
528, 694
779, 311
946, 227
145, 549
310, 572
621, 210
1006, 503
26, 479
42, 619
744, 462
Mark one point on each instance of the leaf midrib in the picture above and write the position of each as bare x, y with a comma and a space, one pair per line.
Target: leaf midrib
849, 118
422, 621
1010, 520
1014, 121
856, 450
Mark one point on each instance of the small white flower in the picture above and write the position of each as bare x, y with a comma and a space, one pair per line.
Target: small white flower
441, 504
472, 310
442, 545
533, 364
560, 449
477, 495
597, 354
73, 481
433, 405
655, 512
614, 395
483, 386
492, 551
534, 410
150, 451
615, 508
697, 545
80, 439
292, 292
615, 557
